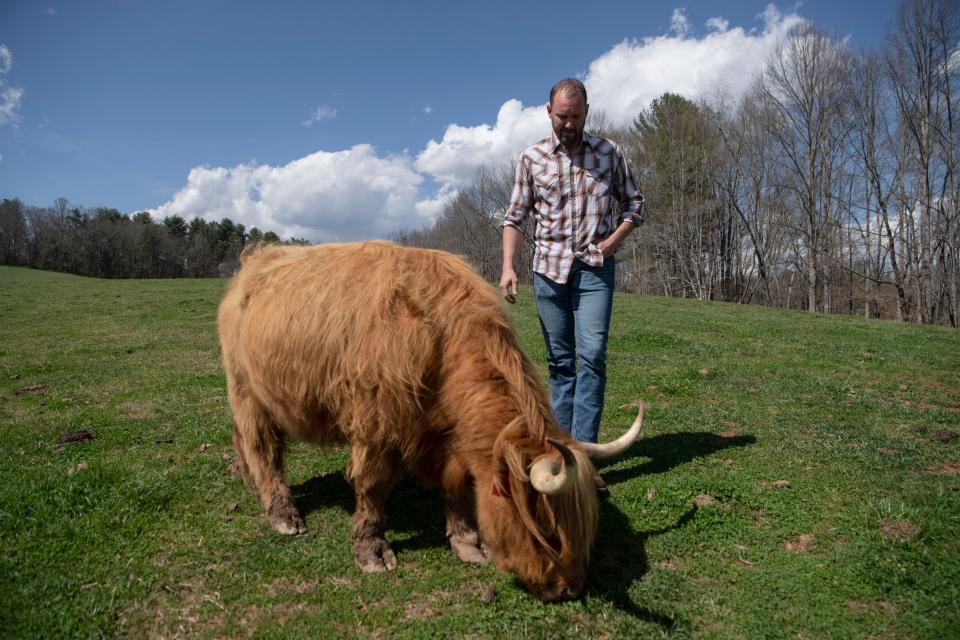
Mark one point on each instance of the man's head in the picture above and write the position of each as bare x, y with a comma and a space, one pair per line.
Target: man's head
568, 112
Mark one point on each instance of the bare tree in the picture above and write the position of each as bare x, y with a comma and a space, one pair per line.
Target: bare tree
805, 81
922, 64
748, 181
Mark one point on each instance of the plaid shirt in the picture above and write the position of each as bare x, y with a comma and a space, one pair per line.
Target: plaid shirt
571, 198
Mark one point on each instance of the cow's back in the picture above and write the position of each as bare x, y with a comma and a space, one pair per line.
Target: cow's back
343, 342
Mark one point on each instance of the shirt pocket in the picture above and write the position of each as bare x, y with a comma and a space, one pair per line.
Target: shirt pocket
548, 189
598, 182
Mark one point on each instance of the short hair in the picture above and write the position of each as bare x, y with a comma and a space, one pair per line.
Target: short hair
569, 87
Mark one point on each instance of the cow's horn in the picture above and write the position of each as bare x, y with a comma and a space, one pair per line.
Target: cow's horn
551, 476
618, 446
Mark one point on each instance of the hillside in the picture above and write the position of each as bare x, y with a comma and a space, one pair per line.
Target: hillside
797, 478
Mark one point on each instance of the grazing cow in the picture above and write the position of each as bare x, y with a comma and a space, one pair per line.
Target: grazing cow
407, 356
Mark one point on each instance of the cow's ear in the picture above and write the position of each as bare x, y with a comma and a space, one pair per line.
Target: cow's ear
509, 437
508, 455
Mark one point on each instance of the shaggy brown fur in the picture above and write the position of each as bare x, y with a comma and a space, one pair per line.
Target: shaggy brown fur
406, 356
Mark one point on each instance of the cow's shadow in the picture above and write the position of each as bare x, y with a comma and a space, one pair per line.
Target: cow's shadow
416, 514
669, 450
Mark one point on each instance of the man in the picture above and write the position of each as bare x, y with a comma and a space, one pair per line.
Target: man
569, 181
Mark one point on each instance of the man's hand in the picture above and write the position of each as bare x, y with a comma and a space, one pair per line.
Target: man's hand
608, 247
508, 285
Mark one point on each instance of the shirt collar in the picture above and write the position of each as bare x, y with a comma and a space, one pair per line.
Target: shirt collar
587, 140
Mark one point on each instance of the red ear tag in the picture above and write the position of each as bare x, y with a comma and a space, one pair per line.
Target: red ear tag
505, 482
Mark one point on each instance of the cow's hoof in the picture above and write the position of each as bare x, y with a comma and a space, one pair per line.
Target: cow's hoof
285, 519
469, 548
373, 555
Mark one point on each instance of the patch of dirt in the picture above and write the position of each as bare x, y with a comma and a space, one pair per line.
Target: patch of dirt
175, 611
32, 390
946, 436
899, 529
346, 583
418, 611
731, 433
944, 468
776, 484
927, 406
704, 500
136, 411
489, 594
282, 586
671, 563
75, 436
803, 544
867, 607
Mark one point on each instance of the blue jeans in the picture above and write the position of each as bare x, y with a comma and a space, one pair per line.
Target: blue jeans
575, 318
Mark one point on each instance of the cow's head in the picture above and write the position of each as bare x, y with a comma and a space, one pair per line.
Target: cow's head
539, 514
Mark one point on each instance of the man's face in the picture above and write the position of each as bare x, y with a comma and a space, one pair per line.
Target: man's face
567, 116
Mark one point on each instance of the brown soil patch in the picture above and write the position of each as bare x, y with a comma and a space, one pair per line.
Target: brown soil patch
898, 529
945, 468
866, 607
803, 544
32, 390
946, 436
776, 484
75, 436
418, 611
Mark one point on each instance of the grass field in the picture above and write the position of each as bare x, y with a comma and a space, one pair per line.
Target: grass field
797, 479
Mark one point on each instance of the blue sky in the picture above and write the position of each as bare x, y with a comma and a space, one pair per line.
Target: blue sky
341, 120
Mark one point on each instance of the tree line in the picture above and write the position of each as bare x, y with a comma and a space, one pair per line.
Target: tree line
104, 243
830, 186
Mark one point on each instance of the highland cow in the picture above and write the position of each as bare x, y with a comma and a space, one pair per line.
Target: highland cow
406, 356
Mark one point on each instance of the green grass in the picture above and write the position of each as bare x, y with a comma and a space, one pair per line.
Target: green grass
142, 532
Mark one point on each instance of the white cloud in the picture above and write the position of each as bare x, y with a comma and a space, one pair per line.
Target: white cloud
10, 97
718, 24
323, 112
679, 23
324, 197
624, 81
51, 11
621, 83
6, 59
355, 194
455, 159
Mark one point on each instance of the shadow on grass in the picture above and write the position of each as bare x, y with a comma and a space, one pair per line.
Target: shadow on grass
671, 450
620, 559
415, 512
416, 515
620, 555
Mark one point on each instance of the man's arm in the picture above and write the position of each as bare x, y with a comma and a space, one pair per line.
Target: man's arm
520, 202
631, 208
512, 237
609, 246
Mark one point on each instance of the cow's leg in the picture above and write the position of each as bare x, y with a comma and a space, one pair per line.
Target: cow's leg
462, 531
373, 472
259, 444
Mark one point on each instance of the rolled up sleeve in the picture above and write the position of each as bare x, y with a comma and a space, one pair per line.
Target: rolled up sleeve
630, 198
521, 200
